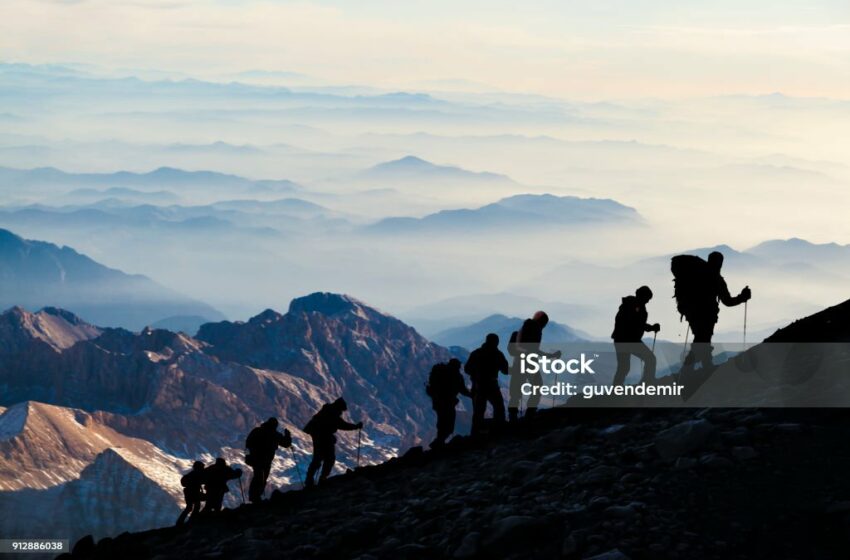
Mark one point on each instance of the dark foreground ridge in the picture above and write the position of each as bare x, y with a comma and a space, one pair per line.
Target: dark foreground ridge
606, 484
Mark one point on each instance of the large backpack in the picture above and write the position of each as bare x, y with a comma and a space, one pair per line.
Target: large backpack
690, 274
253, 439
436, 380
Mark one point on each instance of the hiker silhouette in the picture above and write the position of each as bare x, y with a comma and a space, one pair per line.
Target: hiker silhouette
483, 367
192, 482
215, 483
698, 288
526, 341
322, 427
262, 444
444, 384
629, 326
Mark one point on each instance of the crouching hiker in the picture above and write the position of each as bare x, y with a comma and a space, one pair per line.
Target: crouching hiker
262, 444
215, 483
192, 482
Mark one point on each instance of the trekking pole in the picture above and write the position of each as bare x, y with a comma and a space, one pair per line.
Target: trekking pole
654, 337
359, 433
745, 325
685, 349
241, 489
297, 468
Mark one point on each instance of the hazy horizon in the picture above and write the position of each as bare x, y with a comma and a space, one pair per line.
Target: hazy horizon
717, 126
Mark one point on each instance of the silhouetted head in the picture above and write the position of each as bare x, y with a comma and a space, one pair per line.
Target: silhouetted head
491, 340
541, 318
715, 259
197, 466
454, 364
271, 423
220, 462
644, 294
340, 404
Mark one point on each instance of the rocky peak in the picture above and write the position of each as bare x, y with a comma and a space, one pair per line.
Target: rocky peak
267, 317
326, 303
58, 328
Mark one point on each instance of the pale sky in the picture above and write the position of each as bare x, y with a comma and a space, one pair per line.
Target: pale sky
599, 49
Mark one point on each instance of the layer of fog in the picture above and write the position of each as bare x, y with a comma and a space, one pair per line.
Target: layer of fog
701, 172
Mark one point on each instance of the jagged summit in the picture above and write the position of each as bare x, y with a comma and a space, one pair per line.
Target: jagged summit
64, 314
58, 328
326, 303
266, 317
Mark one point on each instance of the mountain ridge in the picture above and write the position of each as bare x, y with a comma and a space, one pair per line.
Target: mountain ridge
39, 274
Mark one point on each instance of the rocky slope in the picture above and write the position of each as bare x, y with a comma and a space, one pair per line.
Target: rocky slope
611, 485
139, 407
602, 483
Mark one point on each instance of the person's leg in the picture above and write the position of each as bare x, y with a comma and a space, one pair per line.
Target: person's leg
624, 363
479, 406
315, 463
536, 381
195, 509
213, 502
328, 459
494, 395
187, 510
451, 418
707, 358
257, 485
267, 470
703, 333
443, 429
693, 353
515, 394
643, 352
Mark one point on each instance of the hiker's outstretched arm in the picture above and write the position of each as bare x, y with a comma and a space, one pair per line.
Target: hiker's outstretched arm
728, 300
343, 425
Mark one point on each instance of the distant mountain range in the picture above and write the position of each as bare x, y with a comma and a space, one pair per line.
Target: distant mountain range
411, 169
36, 274
98, 424
50, 179
519, 212
472, 336
128, 195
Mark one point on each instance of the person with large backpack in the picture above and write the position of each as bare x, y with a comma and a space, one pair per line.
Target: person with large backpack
699, 287
629, 326
527, 341
262, 444
192, 483
445, 383
322, 427
215, 483
483, 367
